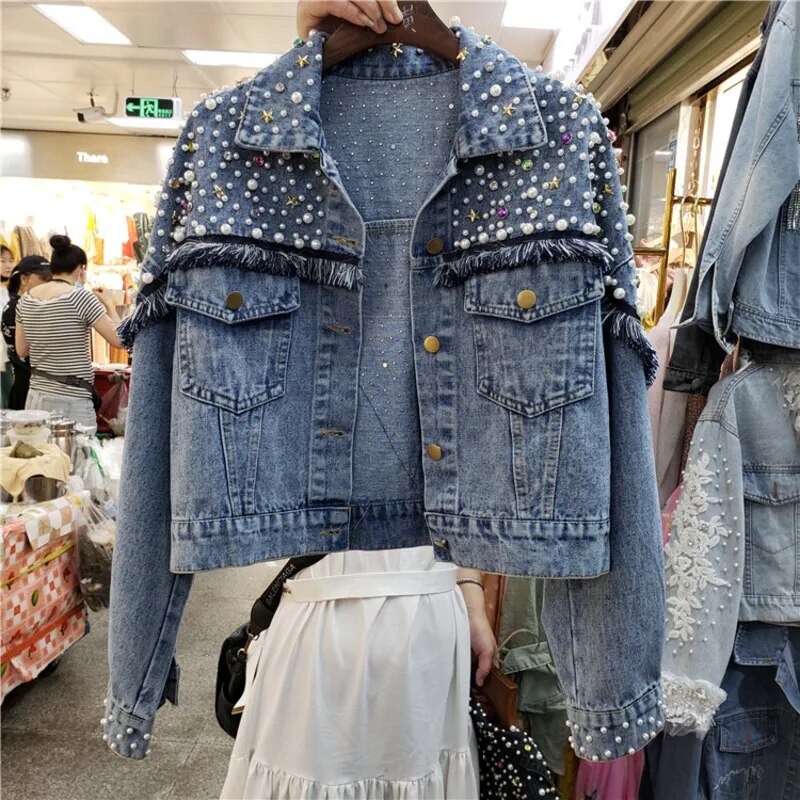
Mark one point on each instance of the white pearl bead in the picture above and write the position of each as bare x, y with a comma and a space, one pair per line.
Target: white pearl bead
257, 233
211, 104
147, 277
297, 98
502, 235
483, 237
588, 228
178, 235
225, 229
147, 736
527, 228
188, 175
200, 230
308, 218
495, 90
561, 225
631, 220
278, 237
316, 244
619, 294
252, 184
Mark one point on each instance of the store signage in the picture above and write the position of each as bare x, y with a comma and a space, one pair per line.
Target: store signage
153, 107
92, 158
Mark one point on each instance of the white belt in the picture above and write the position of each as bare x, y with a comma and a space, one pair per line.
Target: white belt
377, 584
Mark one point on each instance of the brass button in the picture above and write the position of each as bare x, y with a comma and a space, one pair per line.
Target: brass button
435, 246
526, 299
234, 301
434, 452
431, 344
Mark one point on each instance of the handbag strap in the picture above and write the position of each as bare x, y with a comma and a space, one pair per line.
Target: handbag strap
264, 608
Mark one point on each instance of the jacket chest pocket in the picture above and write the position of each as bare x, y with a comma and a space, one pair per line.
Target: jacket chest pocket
234, 333
772, 511
535, 330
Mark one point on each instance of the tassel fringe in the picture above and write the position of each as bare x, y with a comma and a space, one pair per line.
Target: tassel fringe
149, 308
257, 258
528, 253
627, 327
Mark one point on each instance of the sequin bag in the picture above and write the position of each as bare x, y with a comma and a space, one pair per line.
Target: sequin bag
511, 765
232, 664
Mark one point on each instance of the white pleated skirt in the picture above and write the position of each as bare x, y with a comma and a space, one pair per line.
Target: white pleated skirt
364, 697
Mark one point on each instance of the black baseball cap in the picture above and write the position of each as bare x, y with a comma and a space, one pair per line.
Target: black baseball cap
33, 265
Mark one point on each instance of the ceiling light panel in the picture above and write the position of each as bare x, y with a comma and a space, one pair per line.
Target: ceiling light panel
230, 58
540, 16
84, 23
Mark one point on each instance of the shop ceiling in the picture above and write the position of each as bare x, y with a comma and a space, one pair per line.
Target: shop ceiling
49, 73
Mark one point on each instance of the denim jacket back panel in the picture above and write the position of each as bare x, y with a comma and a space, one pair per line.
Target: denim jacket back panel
529, 360
735, 541
752, 248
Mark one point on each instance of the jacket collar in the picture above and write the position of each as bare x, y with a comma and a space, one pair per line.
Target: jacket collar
499, 110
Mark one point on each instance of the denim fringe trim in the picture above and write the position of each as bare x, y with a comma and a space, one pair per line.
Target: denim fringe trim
528, 253
253, 257
150, 307
624, 324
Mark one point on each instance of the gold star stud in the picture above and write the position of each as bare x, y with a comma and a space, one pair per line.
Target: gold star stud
396, 49
302, 61
462, 54
509, 109
555, 182
473, 215
267, 116
219, 192
192, 147
292, 201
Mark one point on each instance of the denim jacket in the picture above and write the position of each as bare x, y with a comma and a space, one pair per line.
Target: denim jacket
735, 544
750, 266
249, 433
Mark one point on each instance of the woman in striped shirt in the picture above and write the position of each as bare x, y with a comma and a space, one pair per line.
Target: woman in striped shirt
54, 323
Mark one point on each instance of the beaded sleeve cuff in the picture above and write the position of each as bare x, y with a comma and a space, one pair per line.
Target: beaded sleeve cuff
606, 735
125, 734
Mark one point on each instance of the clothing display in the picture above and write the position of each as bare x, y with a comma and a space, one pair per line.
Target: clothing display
331, 671
410, 342
745, 261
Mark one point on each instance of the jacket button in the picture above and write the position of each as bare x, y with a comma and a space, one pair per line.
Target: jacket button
234, 301
431, 344
434, 452
526, 299
435, 246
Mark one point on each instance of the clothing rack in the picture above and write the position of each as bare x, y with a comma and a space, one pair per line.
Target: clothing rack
671, 200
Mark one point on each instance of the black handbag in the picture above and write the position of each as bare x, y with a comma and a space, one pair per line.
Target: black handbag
232, 664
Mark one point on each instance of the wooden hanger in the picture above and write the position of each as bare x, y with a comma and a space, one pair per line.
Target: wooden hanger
421, 27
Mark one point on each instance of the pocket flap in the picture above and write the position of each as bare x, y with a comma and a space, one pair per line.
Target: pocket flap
746, 733
548, 289
771, 487
233, 295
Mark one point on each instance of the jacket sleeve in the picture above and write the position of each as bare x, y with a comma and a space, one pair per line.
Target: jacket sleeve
147, 600
605, 633
705, 569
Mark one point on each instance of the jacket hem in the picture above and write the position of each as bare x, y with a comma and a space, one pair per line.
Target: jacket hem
778, 610
552, 548
204, 544
765, 328
614, 733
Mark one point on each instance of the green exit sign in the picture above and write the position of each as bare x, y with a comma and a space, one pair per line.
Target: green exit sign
153, 107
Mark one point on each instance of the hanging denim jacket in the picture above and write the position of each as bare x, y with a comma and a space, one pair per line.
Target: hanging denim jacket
750, 268
735, 544
390, 306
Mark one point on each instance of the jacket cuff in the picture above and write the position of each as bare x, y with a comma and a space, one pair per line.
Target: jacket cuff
690, 704
606, 735
125, 734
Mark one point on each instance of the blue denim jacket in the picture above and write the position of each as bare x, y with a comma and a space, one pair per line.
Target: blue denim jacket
750, 266
735, 542
484, 202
